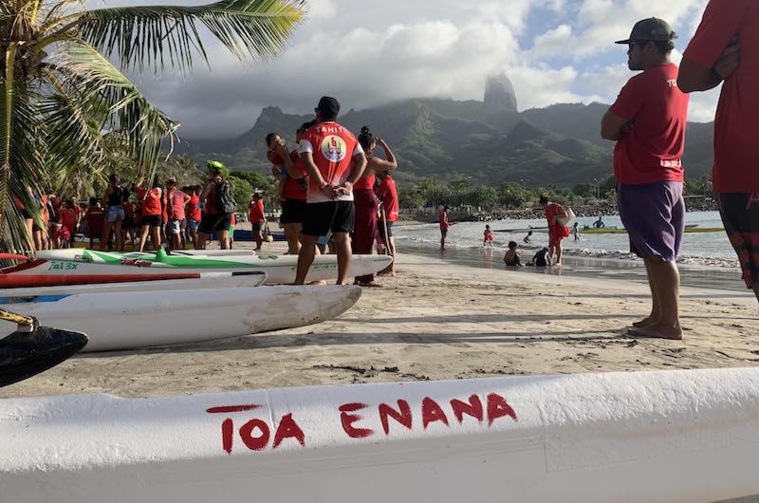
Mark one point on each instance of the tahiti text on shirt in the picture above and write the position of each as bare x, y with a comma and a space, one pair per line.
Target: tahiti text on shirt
330, 129
673, 163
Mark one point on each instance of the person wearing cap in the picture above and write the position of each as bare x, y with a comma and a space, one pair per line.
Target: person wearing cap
648, 122
214, 219
725, 48
334, 161
257, 219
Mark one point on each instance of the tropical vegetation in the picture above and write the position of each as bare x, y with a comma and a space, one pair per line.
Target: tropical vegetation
68, 113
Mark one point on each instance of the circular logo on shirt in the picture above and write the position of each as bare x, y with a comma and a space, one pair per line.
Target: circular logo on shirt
334, 148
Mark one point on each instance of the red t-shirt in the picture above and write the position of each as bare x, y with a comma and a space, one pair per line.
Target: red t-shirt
366, 182
68, 219
151, 201
389, 195
652, 151
95, 218
736, 125
193, 208
176, 204
296, 188
333, 148
555, 229
256, 211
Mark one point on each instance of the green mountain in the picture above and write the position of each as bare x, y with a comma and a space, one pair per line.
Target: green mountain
467, 140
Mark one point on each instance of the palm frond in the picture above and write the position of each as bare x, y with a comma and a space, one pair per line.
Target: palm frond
146, 36
95, 97
21, 154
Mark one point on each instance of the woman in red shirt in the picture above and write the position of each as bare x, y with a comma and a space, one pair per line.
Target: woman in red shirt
151, 214
367, 204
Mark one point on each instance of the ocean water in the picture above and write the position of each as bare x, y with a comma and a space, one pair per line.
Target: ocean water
706, 259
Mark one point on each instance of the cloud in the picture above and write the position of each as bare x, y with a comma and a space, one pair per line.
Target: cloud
368, 54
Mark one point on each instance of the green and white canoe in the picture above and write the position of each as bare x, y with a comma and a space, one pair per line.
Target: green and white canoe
279, 269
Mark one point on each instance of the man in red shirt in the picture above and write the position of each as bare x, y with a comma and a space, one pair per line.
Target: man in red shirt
95, 218
334, 161
257, 219
726, 48
387, 193
648, 123
176, 212
216, 218
444, 224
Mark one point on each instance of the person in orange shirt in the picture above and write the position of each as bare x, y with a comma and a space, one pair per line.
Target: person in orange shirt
257, 219
151, 218
334, 161
725, 48
444, 224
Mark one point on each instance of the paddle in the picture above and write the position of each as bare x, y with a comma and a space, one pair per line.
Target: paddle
32, 349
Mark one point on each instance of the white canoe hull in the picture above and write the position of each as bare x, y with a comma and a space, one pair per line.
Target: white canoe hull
152, 318
204, 281
654, 437
279, 269
41, 272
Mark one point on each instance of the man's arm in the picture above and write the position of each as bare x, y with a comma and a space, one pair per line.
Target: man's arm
694, 77
613, 126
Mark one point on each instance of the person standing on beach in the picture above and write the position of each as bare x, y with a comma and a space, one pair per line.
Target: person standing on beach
648, 122
257, 219
334, 161
487, 237
113, 200
725, 48
557, 231
444, 224
367, 204
576, 231
219, 205
388, 194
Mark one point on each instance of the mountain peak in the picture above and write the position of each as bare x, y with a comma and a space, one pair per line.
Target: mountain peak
499, 93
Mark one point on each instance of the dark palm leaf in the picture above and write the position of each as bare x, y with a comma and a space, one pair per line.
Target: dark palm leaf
140, 36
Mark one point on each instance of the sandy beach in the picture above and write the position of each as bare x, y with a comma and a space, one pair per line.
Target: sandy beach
434, 321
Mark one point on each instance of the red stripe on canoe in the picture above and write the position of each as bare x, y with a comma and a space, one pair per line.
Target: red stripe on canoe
23, 280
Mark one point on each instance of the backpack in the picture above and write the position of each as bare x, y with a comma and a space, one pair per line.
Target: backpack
225, 201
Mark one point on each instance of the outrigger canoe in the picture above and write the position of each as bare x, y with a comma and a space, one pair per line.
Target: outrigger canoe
46, 273
202, 282
125, 320
279, 269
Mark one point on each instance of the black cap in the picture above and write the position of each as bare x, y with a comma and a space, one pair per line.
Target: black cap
328, 107
651, 29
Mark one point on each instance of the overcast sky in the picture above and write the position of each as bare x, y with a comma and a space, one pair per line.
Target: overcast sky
368, 53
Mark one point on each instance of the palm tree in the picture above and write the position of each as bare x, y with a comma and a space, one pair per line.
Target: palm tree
60, 91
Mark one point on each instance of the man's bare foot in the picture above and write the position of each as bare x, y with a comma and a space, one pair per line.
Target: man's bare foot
657, 331
645, 322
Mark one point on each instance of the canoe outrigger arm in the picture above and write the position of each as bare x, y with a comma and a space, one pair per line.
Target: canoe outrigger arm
25, 323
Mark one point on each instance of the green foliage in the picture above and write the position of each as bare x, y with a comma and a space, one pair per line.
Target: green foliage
241, 190
60, 91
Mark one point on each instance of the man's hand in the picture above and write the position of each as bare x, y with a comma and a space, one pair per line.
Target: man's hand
346, 189
329, 190
729, 60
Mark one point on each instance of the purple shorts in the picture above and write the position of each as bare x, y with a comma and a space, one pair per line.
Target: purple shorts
654, 217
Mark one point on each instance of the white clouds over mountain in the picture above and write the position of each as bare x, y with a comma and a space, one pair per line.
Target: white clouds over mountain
368, 53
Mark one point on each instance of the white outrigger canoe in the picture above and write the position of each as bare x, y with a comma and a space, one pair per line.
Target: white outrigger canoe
125, 320
202, 282
47, 273
279, 269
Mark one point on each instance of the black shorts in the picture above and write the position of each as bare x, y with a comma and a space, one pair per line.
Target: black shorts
256, 226
293, 211
151, 220
215, 222
381, 227
127, 223
335, 216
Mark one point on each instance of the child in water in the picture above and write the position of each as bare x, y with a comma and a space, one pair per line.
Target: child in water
512, 255
487, 237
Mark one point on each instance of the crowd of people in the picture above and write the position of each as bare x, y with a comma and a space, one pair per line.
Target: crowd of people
335, 192
144, 216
